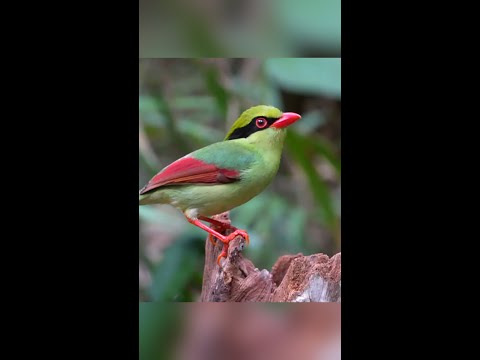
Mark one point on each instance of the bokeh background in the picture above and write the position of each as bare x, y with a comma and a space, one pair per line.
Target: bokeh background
212, 331
232, 28
185, 104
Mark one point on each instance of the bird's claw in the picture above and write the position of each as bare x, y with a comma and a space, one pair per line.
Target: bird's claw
220, 228
234, 234
229, 238
224, 253
212, 240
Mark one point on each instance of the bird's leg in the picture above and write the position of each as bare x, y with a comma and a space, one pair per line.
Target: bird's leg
221, 224
218, 225
223, 238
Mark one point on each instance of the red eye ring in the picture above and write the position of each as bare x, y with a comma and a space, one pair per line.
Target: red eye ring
261, 122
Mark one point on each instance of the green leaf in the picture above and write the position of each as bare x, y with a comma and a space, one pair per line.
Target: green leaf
298, 148
194, 103
159, 326
176, 270
159, 108
148, 108
323, 147
146, 103
212, 78
312, 76
205, 134
311, 23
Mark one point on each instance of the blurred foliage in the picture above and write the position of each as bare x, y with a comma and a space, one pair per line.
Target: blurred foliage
297, 76
214, 28
159, 330
185, 104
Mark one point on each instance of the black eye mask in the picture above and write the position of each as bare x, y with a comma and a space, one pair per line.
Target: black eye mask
251, 128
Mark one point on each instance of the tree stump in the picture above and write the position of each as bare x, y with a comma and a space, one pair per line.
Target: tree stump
293, 278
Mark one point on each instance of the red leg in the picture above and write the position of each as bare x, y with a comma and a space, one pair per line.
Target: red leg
223, 238
218, 225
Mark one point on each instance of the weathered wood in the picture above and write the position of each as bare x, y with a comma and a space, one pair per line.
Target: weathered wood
294, 278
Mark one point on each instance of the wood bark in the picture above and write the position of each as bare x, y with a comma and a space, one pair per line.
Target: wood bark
293, 278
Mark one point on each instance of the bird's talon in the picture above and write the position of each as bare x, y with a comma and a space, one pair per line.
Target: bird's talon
245, 235
212, 240
233, 235
222, 254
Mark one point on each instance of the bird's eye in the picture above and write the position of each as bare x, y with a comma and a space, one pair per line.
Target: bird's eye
261, 123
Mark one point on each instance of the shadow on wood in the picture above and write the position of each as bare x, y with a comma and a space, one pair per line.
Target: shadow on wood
293, 278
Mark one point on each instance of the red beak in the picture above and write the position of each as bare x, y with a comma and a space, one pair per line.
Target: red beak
287, 118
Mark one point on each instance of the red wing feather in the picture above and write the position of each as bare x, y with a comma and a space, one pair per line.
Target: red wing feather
188, 170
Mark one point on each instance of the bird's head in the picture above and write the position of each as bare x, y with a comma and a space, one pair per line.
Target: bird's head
262, 123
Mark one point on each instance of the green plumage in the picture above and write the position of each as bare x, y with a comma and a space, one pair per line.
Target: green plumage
256, 158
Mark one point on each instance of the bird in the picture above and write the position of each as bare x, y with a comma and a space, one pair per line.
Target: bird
224, 175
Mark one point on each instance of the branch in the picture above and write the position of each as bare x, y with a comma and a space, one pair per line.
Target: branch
293, 278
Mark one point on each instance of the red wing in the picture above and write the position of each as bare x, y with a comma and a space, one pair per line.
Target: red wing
190, 171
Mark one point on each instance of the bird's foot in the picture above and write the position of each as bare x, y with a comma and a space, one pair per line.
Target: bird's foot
223, 238
212, 240
233, 235
220, 229
224, 253
218, 225
226, 241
